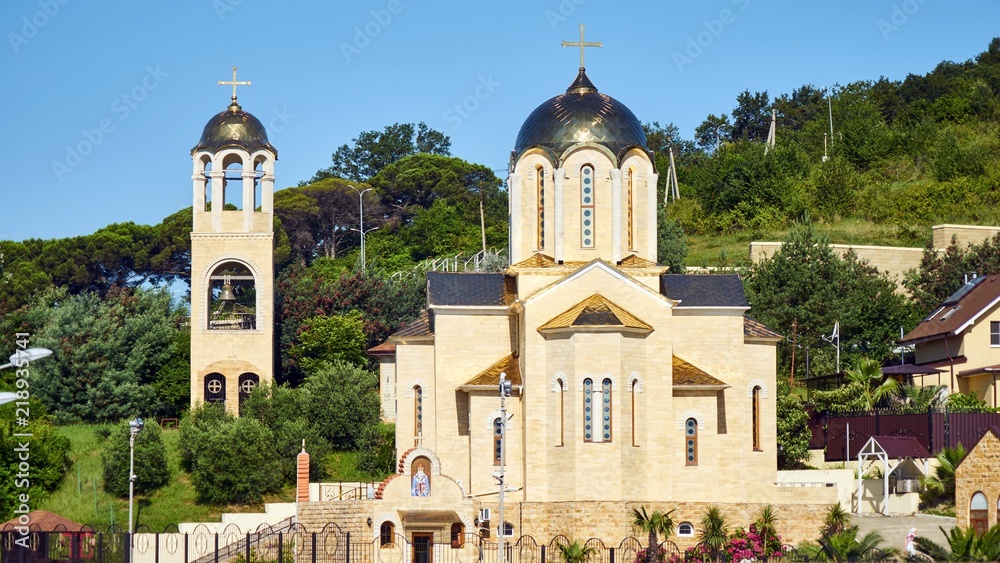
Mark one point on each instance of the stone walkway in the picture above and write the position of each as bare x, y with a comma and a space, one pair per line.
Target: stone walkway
895, 528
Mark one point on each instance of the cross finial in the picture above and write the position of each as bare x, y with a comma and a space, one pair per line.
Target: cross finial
581, 44
234, 84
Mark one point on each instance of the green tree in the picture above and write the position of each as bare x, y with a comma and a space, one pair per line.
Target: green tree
968, 402
835, 521
575, 552
279, 408
874, 385
377, 449
653, 524
963, 545
330, 339
671, 247
752, 116
793, 432
712, 132
940, 484
49, 457
846, 546
714, 531
173, 379
151, 468
341, 400
371, 151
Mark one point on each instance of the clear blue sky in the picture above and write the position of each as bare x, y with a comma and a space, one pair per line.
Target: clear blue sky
68, 63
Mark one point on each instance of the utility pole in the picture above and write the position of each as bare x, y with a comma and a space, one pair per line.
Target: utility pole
361, 221
505, 389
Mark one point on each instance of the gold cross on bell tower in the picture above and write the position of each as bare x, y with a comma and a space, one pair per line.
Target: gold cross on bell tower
234, 84
581, 44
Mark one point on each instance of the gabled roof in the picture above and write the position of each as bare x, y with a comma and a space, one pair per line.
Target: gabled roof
489, 378
899, 447
452, 289
595, 312
45, 521
689, 377
418, 327
704, 290
959, 311
756, 330
384, 349
539, 260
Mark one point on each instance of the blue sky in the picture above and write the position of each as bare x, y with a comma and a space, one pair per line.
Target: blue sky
104, 100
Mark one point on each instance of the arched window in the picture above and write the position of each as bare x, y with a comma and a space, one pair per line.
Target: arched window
206, 187
596, 399
508, 530
978, 514
258, 174
606, 410
685, 530
232, 183
756, 418
215, 388
588, 410
691, 442
457, 535
587, 196
418, 413
232, 298
629, 205
248, 382
386, 534
540, 193
497, 441
632, 398
562, 413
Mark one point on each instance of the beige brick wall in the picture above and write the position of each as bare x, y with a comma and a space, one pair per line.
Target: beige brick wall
978, 473
964, 235
894, 260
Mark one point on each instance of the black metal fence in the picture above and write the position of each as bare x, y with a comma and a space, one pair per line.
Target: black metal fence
935, 430
329, 545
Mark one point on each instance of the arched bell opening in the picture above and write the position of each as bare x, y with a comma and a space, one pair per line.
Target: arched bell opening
232, 182
258, 174
204, 202
232, 298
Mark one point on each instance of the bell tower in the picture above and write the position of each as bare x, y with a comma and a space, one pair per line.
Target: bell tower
232, 258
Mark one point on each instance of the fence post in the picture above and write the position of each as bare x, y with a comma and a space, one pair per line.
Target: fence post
930, 429
247, 549
281, 548
947, 427
611, 555
543, 554
157, 549
313, 556
216, 547
347, 557
186, 547
100, 548
877, 428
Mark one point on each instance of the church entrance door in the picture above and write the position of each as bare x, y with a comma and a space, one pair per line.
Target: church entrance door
422, 552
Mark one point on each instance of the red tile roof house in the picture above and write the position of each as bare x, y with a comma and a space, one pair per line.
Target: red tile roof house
961, 338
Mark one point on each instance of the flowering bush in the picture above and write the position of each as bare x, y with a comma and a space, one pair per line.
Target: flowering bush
641, 555
752, 545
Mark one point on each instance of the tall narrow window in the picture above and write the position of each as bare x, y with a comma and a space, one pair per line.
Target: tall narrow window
756, 418
457, 535
418, 412
632, 398
386, 534
497, 441
562, 413
588, 410
691, 442
606, 410
630, 195
540, 190
978, 514
215, 388
587, 196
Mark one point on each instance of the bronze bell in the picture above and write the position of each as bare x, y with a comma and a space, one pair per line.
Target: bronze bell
227, 293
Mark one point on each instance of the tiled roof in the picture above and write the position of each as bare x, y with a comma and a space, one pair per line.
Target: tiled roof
469, 289
595, 311
491, 375
536, 260
688, 375
383, 349
954, 314
45, 521
711, 290
539, 260
756, 329
900, 447
633, 261
420, 326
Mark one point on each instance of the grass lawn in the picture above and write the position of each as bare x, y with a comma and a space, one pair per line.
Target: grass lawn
81, 497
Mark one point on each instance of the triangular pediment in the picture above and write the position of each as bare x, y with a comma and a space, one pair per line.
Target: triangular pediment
489, 378
595, 313
689, 377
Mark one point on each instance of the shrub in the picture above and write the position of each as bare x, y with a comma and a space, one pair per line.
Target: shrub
151, 469
236, 463
377, 445
341, 400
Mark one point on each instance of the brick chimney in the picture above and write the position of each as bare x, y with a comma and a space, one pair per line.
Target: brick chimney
302, 475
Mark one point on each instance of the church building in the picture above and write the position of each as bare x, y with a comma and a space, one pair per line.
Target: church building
630, 386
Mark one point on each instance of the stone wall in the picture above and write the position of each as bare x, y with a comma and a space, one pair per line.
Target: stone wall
978, 473
964, 235
894, 260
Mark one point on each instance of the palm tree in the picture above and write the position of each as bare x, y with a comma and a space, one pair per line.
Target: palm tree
845, 545
714, 531
836, 520
653, 524
874, 385
941, 483
963, 545
922, 398
574, 552
766, 522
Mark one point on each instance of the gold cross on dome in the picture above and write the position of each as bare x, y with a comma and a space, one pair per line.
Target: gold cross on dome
234, 83
581, 44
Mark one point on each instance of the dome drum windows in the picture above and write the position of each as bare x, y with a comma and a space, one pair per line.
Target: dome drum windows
587, 197
540, 218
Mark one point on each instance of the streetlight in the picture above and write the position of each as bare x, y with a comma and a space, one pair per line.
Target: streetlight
361, 221
20, 359
505, 389
134, 427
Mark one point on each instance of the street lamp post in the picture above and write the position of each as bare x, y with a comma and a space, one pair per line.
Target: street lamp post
134, 427
22, 358
505, 389
361, 221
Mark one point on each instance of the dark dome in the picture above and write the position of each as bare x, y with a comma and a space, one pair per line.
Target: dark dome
234, 128
581, 115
